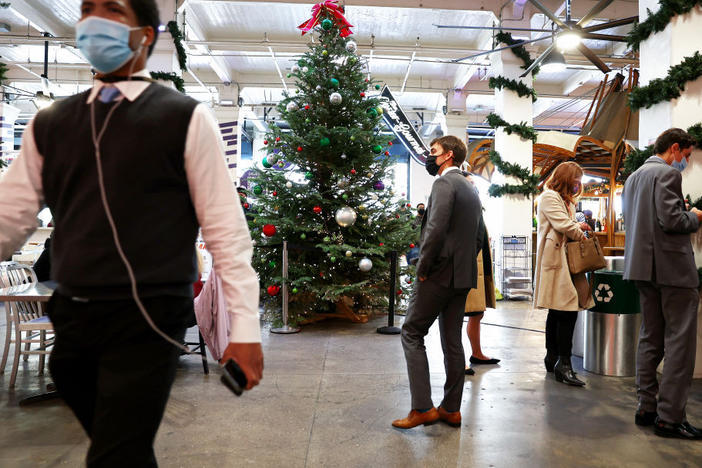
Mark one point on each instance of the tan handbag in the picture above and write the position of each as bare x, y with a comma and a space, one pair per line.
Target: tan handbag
585, 255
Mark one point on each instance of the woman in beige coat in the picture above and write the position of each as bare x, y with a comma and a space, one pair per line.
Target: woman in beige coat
555, 288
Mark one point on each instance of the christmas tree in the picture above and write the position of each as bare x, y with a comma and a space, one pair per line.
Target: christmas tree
323, 189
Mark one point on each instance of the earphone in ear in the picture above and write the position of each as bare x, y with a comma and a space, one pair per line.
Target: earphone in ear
143, 40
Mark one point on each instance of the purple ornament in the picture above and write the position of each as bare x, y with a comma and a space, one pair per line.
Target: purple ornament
379, 185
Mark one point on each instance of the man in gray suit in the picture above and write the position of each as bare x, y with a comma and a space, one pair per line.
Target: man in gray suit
659, 257
446, 271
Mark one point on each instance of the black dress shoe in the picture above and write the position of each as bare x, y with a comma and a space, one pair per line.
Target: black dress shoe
645, 418
469, 371
678, 431
475, 360
564, 373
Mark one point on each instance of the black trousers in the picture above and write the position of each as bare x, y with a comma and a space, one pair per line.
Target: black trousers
560, 325
115, 373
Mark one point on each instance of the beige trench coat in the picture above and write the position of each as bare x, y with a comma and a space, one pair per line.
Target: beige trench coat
554, 286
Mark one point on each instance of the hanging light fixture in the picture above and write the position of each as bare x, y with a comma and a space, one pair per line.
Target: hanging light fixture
568, 39
554, 62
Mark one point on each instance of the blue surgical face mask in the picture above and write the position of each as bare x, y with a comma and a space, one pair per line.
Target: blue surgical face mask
104, 43
680, 165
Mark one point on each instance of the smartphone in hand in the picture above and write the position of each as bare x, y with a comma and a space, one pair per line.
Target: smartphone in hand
233, 377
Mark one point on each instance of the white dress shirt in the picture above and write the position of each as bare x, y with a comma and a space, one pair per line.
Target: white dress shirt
216, 203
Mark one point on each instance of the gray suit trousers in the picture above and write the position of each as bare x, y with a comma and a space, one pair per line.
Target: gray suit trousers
669, 323
429, 301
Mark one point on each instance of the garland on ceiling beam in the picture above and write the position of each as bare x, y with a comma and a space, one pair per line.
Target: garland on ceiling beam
668, 88
178, 81
529, 185
518, 87
177, 36
521, 129
519, 50
657, 22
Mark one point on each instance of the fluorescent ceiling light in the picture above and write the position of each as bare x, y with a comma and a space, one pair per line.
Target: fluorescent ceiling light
568, 40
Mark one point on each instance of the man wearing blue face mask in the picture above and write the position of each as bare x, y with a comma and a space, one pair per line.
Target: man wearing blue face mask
130, 169
660, 259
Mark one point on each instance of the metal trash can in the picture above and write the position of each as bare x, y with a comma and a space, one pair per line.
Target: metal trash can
612, 326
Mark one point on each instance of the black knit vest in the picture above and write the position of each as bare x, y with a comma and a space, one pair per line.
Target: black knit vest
147, 191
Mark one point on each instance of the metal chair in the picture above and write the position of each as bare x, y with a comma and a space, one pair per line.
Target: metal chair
27, 317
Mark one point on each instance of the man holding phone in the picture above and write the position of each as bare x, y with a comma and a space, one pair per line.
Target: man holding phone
130, 169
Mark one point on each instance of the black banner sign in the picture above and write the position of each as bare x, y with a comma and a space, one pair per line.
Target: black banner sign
401, 126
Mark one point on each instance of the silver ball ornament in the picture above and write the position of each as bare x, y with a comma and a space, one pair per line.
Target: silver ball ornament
343, 156
365, 264
272, 158
352, 47
318, 88
345, 216
305, 69
294, 69
292, 106
335, 98
288, 184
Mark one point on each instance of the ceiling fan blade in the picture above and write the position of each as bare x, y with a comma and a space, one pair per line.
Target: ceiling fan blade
591, 56
548, 13
539, 59
611, 24
491, 28
487, 52
604, 37
601, 5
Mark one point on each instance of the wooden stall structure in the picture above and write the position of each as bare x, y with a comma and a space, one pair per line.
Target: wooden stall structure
600, 148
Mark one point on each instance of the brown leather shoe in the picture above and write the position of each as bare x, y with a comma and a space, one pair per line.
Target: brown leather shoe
415, 418
452, 419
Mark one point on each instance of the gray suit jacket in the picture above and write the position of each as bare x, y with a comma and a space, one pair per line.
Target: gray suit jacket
658, 227
449, 239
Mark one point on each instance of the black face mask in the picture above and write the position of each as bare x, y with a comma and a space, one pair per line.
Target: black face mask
420, 211
431, 166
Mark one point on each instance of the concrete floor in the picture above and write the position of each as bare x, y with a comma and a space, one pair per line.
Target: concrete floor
329, 395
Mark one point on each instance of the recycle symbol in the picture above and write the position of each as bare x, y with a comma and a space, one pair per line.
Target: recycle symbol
603, 293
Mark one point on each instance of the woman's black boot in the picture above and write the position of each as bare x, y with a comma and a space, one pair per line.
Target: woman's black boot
550, 362
564, 372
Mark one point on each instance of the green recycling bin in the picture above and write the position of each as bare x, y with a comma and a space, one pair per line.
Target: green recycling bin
612, 326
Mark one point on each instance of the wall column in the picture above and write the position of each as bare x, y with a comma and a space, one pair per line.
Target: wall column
510, 215
658, 53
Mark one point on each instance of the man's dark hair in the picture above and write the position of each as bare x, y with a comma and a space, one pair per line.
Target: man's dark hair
452, 143
671, 136
147, 14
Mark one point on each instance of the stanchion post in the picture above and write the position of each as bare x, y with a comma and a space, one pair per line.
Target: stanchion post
391, 329
285, 329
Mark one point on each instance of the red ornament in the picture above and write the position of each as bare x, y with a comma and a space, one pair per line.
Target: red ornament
366, 80
363, 94
381, 244
307, 107
265, 142
409, 205
299, 149
353, 171
387, 153
269, 230
278, 139
321, 274
246, 206
273, 290
399, 292
397, 216
275, 193
411, 246
390, 143
317, 209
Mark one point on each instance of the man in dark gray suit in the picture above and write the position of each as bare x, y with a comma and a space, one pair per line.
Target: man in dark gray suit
659, 257
446, 271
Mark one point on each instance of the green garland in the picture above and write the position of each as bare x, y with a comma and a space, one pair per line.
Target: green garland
657, 22
696, 132
519, 50
3, 71
177, 36
668, 88
4, 5
177, 80
521, 129
529, 185
518, 87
